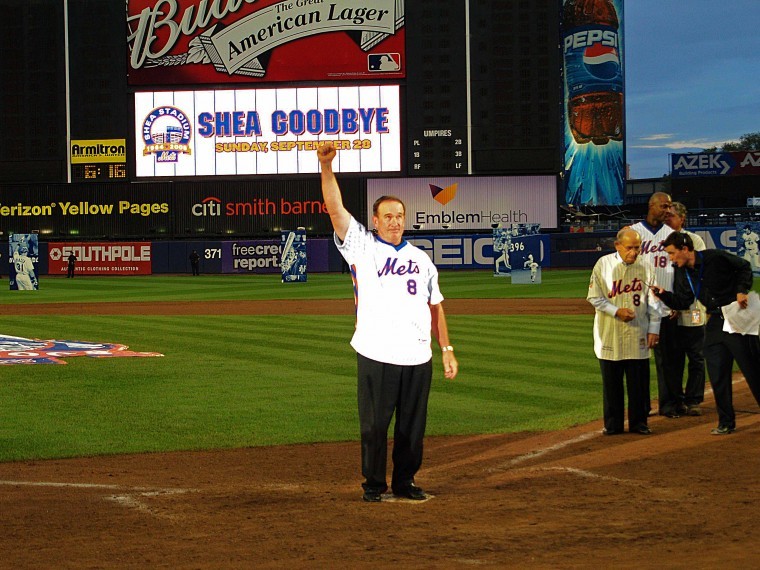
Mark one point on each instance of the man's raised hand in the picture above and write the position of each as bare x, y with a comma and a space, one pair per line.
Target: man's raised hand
326, 153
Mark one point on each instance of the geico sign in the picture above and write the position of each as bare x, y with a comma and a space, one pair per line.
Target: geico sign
457, 250
106, 252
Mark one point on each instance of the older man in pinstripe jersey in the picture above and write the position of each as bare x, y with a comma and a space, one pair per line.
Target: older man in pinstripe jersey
626, 326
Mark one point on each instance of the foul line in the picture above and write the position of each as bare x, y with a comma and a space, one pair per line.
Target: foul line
131, 499
583, 473
539, 452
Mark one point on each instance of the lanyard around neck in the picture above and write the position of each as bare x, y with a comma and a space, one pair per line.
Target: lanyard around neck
701, 273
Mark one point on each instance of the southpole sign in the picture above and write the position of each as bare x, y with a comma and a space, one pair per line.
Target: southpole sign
122, 258
173, 42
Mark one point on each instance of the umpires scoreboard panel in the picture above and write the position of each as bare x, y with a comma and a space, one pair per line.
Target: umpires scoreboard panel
498, 112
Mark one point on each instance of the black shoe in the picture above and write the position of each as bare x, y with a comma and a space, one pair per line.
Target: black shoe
372, 496
642, 430
606, 431
722, 430
672, 414
412, 492
694, 410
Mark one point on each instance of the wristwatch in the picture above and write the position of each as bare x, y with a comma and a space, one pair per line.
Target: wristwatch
447, 348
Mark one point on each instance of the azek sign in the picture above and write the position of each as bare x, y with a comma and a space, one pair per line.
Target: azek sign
741, 163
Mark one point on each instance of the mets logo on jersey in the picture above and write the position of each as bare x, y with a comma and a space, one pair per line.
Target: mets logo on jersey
601, 61
166, 132
19, 350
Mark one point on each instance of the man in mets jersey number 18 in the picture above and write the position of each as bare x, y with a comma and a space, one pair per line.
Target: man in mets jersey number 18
398, 304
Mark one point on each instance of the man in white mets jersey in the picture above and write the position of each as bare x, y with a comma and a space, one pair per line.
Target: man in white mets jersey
398, 304
653, 232
626, 326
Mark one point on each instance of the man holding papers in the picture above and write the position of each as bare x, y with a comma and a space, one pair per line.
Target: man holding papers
722, 282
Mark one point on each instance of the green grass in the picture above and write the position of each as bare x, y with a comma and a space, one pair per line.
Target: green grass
236, 381
455, 284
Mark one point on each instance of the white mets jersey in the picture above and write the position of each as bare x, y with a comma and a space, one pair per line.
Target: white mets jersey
615, 285
392, 288
653, 251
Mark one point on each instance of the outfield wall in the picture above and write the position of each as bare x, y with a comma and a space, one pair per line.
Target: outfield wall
229, 256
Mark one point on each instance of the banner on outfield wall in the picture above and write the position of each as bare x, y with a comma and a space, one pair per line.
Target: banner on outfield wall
175, 42
742, 163
259, 256
23, 257
472, 203
472, 251
111, 258
266, 131
517, 252
293, 255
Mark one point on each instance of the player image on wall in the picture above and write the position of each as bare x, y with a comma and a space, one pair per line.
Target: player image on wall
23, 255
748, 244
502, 244
525, 255
293, 260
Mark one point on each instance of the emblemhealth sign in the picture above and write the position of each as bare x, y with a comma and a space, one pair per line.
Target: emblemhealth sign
98, 150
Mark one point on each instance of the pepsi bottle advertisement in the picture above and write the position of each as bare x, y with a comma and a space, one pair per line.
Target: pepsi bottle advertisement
593, 102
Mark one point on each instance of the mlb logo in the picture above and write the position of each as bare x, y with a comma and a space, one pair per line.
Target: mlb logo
384, 62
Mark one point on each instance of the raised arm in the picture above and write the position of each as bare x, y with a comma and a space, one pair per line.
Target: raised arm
339, 216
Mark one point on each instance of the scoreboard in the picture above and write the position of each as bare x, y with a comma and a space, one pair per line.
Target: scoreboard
483, 87
98, 172
478, 82
436, 89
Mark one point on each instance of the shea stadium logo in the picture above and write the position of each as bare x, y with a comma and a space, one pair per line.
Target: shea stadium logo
19, 350
443, 195
166, 133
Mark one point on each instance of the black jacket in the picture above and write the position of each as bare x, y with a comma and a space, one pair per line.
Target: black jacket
717, 276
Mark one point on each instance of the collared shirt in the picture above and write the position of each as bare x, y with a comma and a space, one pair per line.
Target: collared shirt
393, 288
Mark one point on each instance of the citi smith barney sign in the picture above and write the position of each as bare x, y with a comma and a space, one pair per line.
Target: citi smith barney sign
175, 42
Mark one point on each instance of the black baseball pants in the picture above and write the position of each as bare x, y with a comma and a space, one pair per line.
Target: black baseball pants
382, 390
636, 373
690, 343
721, 349
669, 384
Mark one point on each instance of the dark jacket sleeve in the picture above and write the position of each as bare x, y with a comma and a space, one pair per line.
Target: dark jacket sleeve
682, 296
743, 271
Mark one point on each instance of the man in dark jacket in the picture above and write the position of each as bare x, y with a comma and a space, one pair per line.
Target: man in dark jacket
717, 278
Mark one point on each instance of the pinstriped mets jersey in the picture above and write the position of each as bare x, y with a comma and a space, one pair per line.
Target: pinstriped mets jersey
615, 285
392, 288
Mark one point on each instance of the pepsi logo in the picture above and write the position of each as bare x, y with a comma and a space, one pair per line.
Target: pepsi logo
601, 61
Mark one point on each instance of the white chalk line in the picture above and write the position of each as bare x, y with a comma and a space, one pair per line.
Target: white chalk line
582, 473
540, 452
130, 499
560, 445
